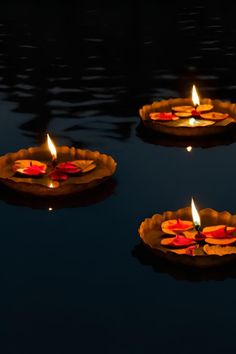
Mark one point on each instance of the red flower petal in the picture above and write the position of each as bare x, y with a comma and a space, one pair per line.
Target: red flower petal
180, 240
68, 167
222, 232
162, 116
178, 225
177, 241
34, 170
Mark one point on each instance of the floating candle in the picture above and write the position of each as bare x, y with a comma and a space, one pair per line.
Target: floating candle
87, 161
184, 247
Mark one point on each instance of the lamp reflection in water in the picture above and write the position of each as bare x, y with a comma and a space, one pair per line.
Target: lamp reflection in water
189, 148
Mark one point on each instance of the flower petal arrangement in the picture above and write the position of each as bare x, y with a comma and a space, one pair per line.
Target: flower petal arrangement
212, 117
31, 170
214, 245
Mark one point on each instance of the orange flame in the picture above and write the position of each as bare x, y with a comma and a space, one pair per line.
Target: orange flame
195, 214
52, 148
195, 97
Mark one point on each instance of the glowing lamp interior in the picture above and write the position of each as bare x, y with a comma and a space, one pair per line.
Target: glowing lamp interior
195, 214
192, 121
195, 97
52, 148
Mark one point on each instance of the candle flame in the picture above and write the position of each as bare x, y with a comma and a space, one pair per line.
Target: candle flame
189, 148
195, 214
52, 148
195, 97
192, 121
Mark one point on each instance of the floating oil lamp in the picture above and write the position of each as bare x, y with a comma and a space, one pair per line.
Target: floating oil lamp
189, 116
67, 171
179, 237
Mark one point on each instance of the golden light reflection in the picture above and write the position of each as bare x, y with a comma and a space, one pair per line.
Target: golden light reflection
195, 97
189, 148
52, 148
50, 209
195, 215
192, 121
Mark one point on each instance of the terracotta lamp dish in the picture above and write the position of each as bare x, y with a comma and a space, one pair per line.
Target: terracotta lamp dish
172, 236
31, 170
178, 117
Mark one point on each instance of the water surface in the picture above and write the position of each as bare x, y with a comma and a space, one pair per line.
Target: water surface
75, 279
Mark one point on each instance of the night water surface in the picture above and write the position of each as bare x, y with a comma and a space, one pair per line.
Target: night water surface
76, 279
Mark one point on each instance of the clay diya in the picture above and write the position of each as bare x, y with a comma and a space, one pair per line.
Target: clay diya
188, 237
189, 117
50, 171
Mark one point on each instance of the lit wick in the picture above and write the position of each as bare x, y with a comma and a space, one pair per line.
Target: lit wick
53, 150
197, 222
195, 97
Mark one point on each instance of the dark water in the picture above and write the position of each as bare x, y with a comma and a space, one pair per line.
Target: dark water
75, 279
